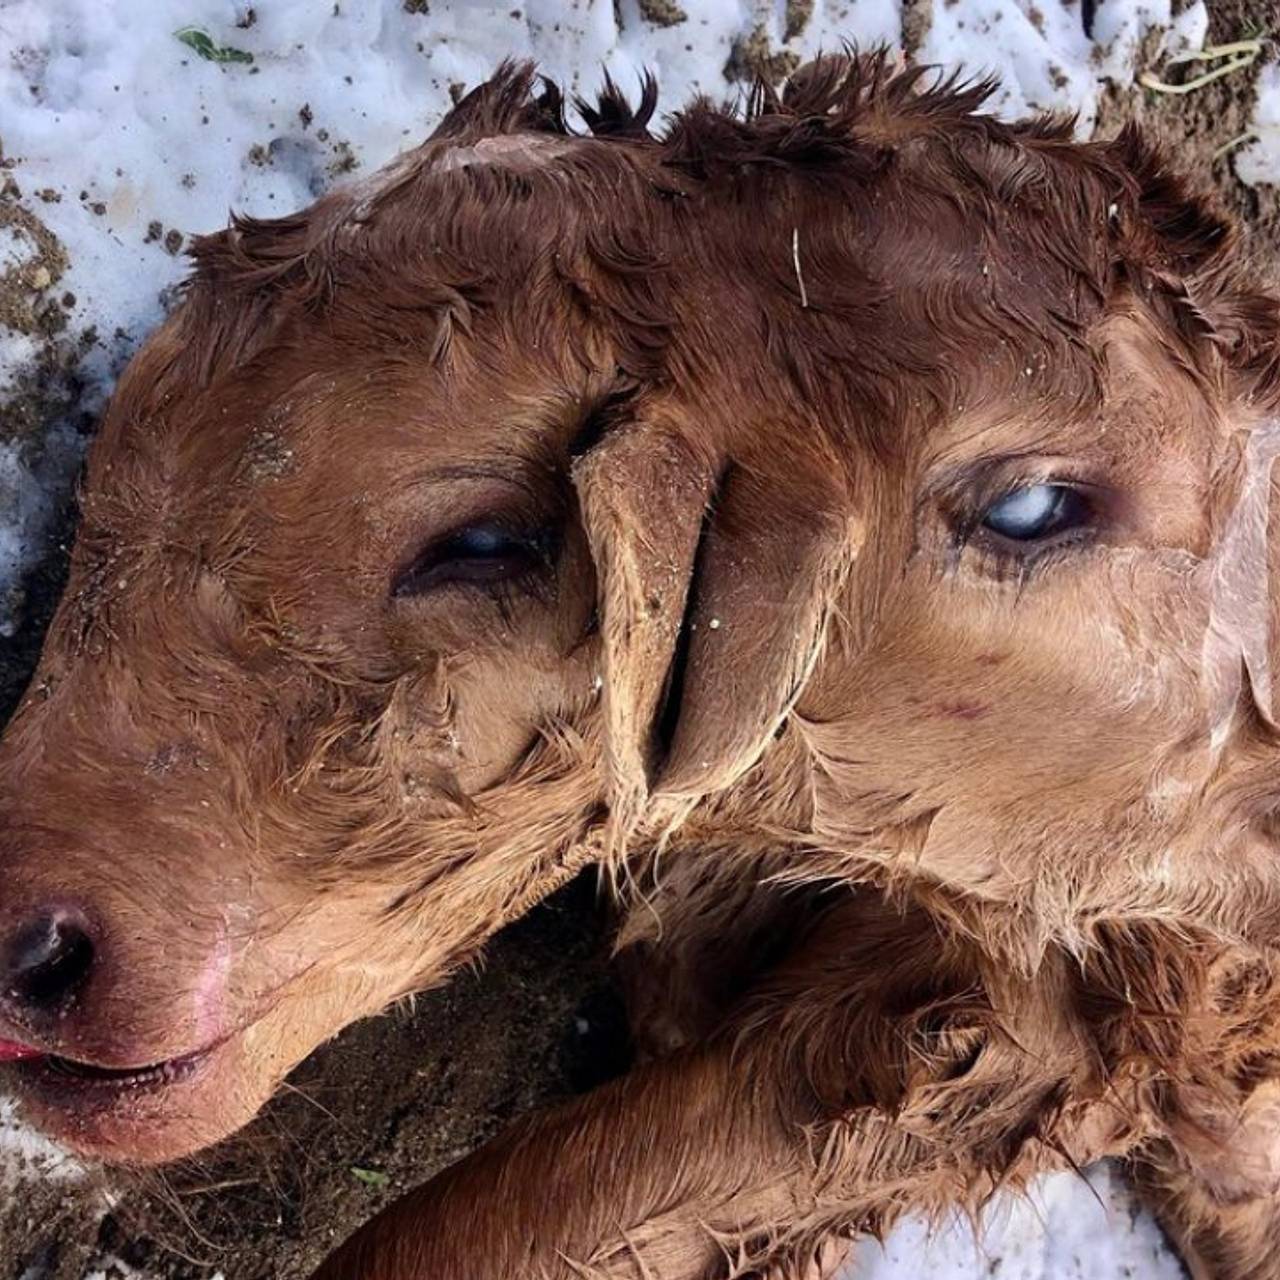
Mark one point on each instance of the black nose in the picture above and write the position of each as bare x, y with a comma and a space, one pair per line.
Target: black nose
47, 961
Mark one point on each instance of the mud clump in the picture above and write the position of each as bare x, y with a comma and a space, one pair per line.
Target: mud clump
753, 57
797, 17
31, 261
662, 13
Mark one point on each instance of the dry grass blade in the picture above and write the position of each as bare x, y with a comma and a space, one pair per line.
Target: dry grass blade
1239, 54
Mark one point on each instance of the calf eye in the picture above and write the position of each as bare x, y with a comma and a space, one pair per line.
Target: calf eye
481, 554
1035, 513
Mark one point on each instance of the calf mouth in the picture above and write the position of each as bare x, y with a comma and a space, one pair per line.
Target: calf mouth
69, 1076
65, 1092
139, 1115
115, 1106
136, 1114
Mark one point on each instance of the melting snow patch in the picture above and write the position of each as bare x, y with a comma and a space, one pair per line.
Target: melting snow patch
109, 1267
1067, 1229
25, 1155
1040, 56
1259, 161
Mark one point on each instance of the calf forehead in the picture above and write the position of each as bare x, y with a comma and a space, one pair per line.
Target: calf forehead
613, 230
534, 256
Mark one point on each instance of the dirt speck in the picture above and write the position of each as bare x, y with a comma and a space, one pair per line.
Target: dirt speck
662, 13
798, 13
268, 456
917, 18
754, 56
344, 160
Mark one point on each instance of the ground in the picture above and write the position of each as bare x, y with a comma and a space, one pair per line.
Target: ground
118, 140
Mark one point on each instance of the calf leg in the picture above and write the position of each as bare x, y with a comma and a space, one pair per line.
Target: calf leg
825, 1106
656, 1175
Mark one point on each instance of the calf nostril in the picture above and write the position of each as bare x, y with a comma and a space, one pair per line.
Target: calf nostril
48, 961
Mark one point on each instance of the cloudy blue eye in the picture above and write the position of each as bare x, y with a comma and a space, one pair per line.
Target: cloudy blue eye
483, 542
1037, 512
480, 553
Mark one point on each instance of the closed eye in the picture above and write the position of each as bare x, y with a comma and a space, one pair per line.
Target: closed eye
479, 555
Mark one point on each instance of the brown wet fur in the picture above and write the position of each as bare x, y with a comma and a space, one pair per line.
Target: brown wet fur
942, 861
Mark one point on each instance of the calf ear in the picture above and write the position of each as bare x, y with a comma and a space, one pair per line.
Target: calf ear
715, 586
774, 554
643, 496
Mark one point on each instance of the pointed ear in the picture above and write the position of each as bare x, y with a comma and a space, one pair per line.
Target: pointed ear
715, 585
775, 551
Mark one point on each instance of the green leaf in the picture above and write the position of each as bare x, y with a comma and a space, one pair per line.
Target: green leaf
202, 43
370, 1177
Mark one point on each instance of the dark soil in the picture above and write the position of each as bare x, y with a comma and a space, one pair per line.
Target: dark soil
1194, 127
394, 1099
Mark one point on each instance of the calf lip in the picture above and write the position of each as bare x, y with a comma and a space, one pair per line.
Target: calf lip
69, 1084
15, 1051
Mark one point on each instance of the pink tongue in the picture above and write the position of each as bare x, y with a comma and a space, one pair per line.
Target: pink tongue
11, 1051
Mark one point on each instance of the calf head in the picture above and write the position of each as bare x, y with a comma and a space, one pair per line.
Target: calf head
854, 489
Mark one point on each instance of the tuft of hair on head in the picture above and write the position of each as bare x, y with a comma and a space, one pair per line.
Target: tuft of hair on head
515, 99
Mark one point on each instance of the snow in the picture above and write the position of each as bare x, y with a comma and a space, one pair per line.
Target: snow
24, 1153
1259, 161
136, 142
1068, 1229
108, 1267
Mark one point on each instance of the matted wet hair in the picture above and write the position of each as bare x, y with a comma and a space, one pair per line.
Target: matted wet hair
842, 123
